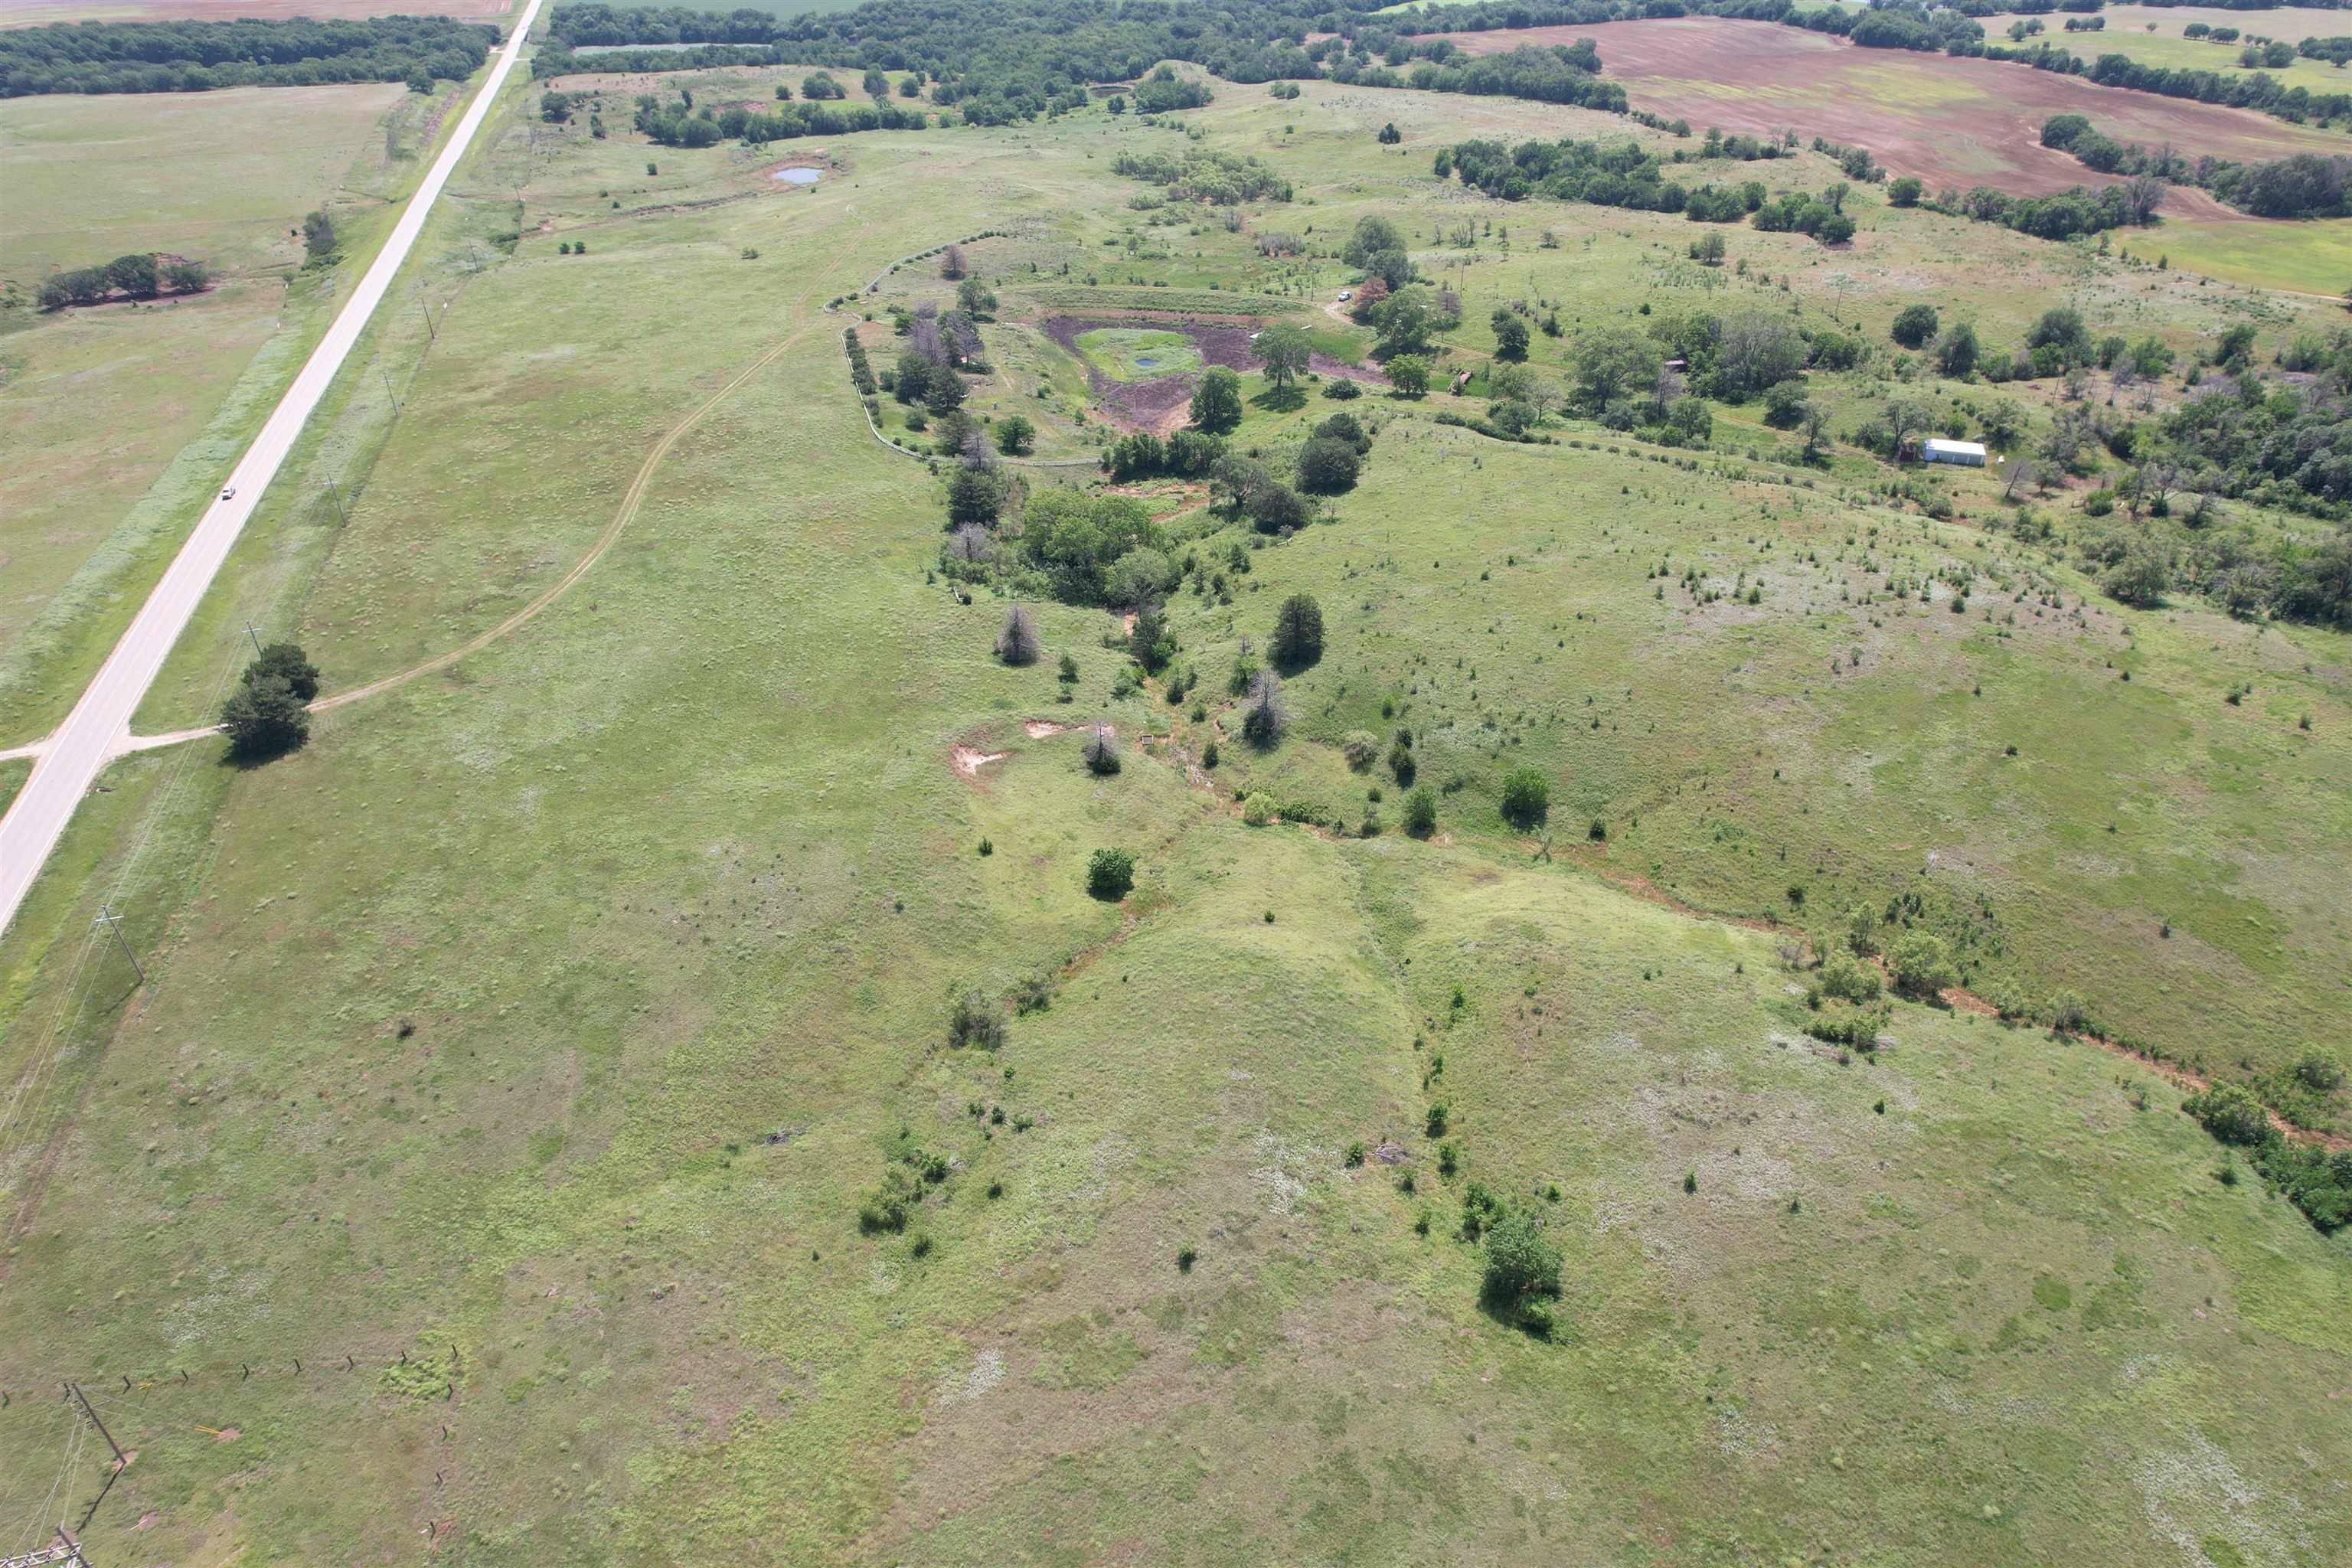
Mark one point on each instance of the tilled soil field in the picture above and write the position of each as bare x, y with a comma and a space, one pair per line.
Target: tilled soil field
1160, 404
1950, 122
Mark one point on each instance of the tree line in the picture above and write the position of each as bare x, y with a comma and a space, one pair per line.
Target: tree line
1624, 176
681, 124
2305, 185
194, 57
134, 277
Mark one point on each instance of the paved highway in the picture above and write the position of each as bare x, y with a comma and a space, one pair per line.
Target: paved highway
69, 761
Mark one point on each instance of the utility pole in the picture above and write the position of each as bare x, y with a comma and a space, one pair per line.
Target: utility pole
255, 635
388, 391
431, 330
337, 497
114, 922
122, 1460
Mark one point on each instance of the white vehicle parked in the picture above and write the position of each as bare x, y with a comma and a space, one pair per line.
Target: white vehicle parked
1345, 295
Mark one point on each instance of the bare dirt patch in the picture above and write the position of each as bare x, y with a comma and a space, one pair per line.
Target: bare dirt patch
1160, 404
1950, 122
969, 761
1038, 728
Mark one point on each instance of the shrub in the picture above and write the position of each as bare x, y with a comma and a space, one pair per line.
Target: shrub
1326, 466
974, 1022
2229, 1113
1522, 1264
1101, 754
1919, 965
2319, 1072
1914, 326
1018, 642
1344, 426
1402, 764
1259, 809
1847, 979
1434, 1123
1420, 812
1526, 798
1360, 747
1339, 389
2069, 1012
1110, 874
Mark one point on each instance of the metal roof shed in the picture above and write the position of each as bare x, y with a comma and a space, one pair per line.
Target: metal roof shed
1968, 454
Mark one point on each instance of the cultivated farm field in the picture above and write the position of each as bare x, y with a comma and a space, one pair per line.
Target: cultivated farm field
554, 1128
1950, 122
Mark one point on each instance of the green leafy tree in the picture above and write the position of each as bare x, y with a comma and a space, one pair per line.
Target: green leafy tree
1408, 375
1150, 644
1914, 326
1016, 435
1297, 640
288, 663
1920, 964
1217, 401
1611, 364
1522, 1263
318, 235
1510, 336
1957, 350
1284, 352
1526, 798
1405, 320
1110, 874
1420, 812
264, 719
975, 495
1326, 466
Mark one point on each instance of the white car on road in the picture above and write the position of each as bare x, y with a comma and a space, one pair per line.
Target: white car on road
229, 494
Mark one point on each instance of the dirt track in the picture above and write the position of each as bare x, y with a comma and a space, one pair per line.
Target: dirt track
1950, 122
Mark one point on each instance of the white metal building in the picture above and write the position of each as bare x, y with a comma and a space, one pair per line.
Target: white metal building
1968, 454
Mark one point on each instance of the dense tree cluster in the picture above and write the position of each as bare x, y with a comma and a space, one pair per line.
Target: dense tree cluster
134, 277
1621, 174
2319, 1183
1200, 174
678, 123
2307, 184
192, 56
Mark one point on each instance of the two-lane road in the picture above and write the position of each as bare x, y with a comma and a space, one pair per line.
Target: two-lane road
70, 760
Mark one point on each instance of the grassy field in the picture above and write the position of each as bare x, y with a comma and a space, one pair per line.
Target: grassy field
488, 1146
2314, 258
125, 416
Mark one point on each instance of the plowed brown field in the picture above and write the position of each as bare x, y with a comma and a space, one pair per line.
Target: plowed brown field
1950, 123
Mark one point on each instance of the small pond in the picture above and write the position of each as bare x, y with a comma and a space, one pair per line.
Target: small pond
798, 176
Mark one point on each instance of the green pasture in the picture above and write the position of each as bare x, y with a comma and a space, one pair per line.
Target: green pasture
127, 416
488, 1144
